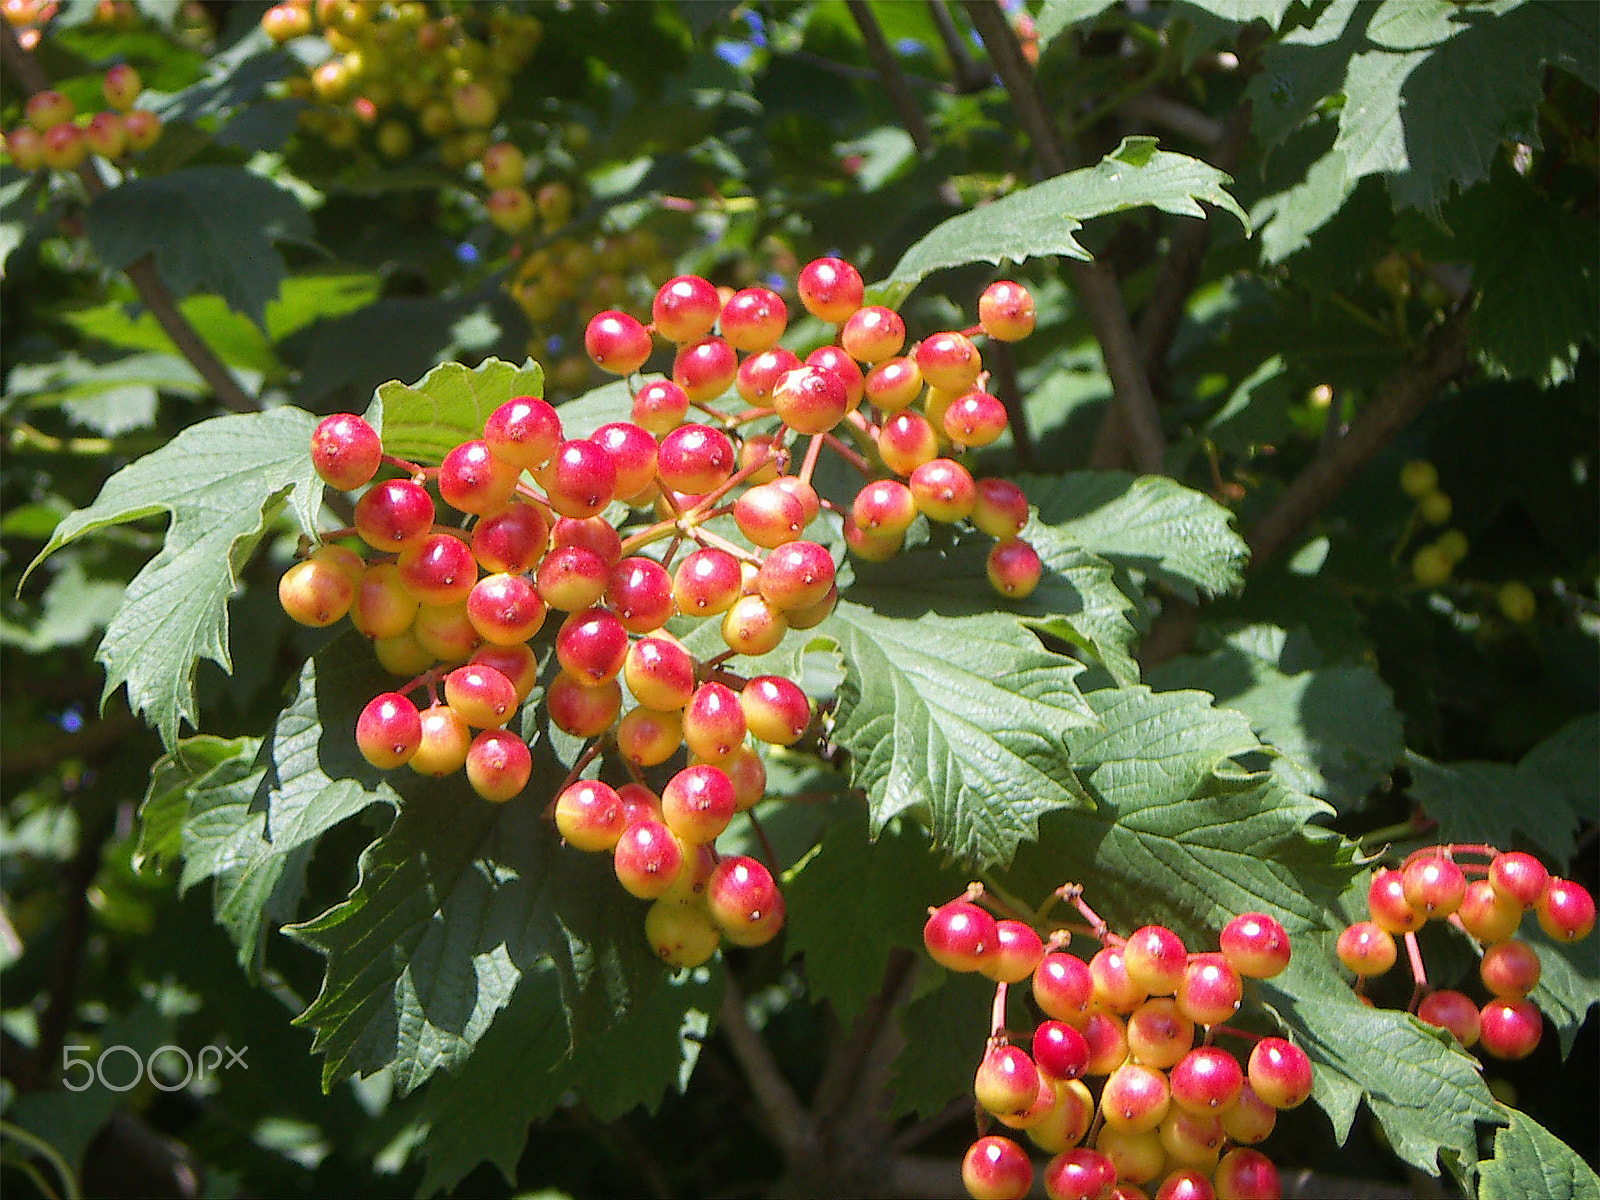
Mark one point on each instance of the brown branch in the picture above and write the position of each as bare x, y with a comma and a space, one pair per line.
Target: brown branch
789, 1122
1444, 357
841, 1087
28, 77
969, 76
893, 79
1095, 282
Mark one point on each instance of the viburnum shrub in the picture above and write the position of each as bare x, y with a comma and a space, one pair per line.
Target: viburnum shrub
616, 517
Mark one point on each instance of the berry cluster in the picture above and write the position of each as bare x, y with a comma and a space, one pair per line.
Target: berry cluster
400, 71
1170, 1114
913, 411
1488, 908
1433, 563
52, 136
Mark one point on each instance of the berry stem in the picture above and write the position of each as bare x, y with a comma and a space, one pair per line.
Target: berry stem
812, 451
1073, 892
1451, 849
997, 1016
415, 470
702, 511
849, 455
1400, 831
1419, 973
584, 759
644, 537
1231, 1031
1008, 906
706, 538
767, 852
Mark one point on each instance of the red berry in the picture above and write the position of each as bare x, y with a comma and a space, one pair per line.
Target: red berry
505, 609
1518, 876
1280, 1073
592, 533
1000, 509
524, 431
769, 515
647, 859
741, 895
1063, 987
1433, 885
1386, 901
1486, 914
616, 342
581, 709
1510, 1029
1154, 957
1453, 1011
759, 374
484, 698
810, 400
796, 575
831, 289
884, 509
1018, 950
1510, 970
516, 663
1159, 1032
589, 815
572, 578
698, 803
1206, 1080
835, 360
695, 459
705, 369
394, 514
707, 582
445, 740
893, 384
498, 765
1245, 1174
640, 593
345, 451
1255, 945
1060, 1050
1210, 990
1114, 989
713, 722
960, 936
592, 645
1185, 1185
873, 333
906, 441
474, 480
1108, 1042
1135, 1098
944, 490
975, 418
1566, 910
511, 540
754, 318
1005, 311
439, 569
949, 361
633, 453
659, 673
1007, 1082
388, 731
685, 308
996, 1168
580, 480
660, 406
1079, 1174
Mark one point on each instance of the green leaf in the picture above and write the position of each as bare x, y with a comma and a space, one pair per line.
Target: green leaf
424, 421
944, 1032
111, 398
255, 885
957, 720
1057, 16
1569, 982
1426, 1092
164, 811
73, 609
1529, 1161
1077, 598
1150, 524
523, 1070
1181, 832
1041, 219
222, 481
890, 882
1545, 798
1242, 12
211, 229
1336, 728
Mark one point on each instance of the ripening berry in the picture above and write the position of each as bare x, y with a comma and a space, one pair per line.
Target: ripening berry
1159, 1032
388, 731
960, 936
498, 765
1510, 1029
1135, 1098
1280, 1073
445, 740
121, 87
589, 815
1063, 987
1154, 957
1453, 1011
753, 319
1566, 911
1245, 1174
685, 308
315, 592
1433, 885
873, 333
1079, 1174
481, 695
996, 1168
1014, 569
831, 289
1366, 949
616, 342
1007, 1082
1005, 310
682, 935
143, 128
647, 859
1255, 945
1386, 901
47, 109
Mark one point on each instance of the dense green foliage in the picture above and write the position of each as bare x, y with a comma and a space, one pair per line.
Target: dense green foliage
1279, 250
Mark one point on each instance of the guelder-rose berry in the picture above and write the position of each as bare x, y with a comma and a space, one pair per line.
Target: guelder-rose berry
1210, 990
705, 368
388, 731
438, 570
1245, 1174
1566, 911
1059, 1050
589, 815
581, 709
707, 582
1014, 569
616, 343
633, 453
873, 333
1280, 1073
949, 361
740, 894
315, 593
796, 575
1386, 901
830, 288
444, 742
143, 128
1154, 957
1206, 1080
511, 540
1018, 949
1366, 949
996, 1168
1079, 1174
1005, 310
498, 765
1510, 969
753, 319
960, 936
345, 451
1007, 1082
640, 593
1135, 1098
660, 406
1255, 945
1453, 1011
975, 418
1433, 885
1510, 1029
682, 935
1000, 509
121, 87
1519, 877
698, 803
510, 209
484, 698
1063, 987
524, 431
1159, 1033
685, 308
473, 480
943, 490
647, 859
810, 400
47, 109
776, 710
580, 480
695, 458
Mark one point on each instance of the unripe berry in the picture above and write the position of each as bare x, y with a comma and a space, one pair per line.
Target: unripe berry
484, 698
473, 480
1154, 957
753, 319
580, 480
524, 431
660, 406
616, 342
1135, 1098
884, 509
1366, 949
1191, 1140
143, 129
960, 936
1566, 911
682, 935
1519, 877
775, 709
685, 308
503, 165
1486, 914
1018, 951
444, 631
1280, 1073
695, 458
572, 578
1107, 1036
1206, 1080
1454, 1011
474, 106
1510, 969
1068, 1120
1210, 990
589, 815
873, 333
906, 441
949, 361
647, 859
796, 575
830, 288
659, 673
1005, 310
1079, 1175
121, 87
1510, 1029
943, 490
996, 1168
1000, 508
1007, 1082
713, 722
698, 803
1114, 989
382, 607
1159, 1033
810, 400
1063, 987
581, 709
707, 582
444, 742
315, 592
498, 765
47, 109
388, 731
753, 626
975, 418
1245, 1174
25, 145
647, 737
1136, 1157
1434, 885
510, 209
106, 135
63, 147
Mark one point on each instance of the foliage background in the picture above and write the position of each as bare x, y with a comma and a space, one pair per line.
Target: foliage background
1418, 281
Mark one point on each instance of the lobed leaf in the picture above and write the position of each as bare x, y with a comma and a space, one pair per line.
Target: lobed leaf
1042, 219
1529, 1160
958, 720
1426, 1092
424, 421
222, 481
211, 229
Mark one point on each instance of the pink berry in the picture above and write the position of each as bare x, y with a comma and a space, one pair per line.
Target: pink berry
388, 731
685, 308
996, 1168
345, 451
1006, 311
1280, 1073
1510, 1029
753, 319
1520, 877
1255, 945
524, 431
960, 936
1454, 1011
830, 288
616, 342
1566, 911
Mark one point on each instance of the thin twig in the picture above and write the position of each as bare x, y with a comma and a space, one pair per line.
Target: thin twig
1444, 358
969, 76
28, 77
1095, 282
891, 76
791, 1125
